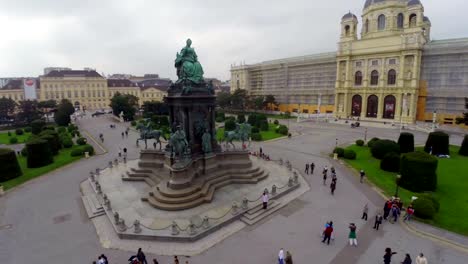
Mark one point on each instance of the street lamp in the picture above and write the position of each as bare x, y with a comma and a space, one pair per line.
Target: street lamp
336, 143
397, 181
434, 119
365, 136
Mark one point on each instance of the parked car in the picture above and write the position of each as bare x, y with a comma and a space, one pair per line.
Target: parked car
97, 113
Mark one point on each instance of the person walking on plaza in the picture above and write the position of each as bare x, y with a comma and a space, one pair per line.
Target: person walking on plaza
281, 256
352, 235
288, 259
325, 175
395, 213
265, 199
409, 213
364, 212
421, 259
332, 170
333, 187
388, 255
325, 170
125, 152
362, 174
141, 257
407, 259
126, 133
328, 233
386, 209
306, 168
123, 135
378, 221
312, 167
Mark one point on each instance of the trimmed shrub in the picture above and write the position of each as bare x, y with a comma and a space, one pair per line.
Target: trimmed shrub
87, 148
390, 162
229, 125
72, 127
133, 123
418, 172
372, 141
434, 201
61, 129
24, 152
406, 142
55, 143
381, 147
220, 116
255, 130
256, 137
264, 125
9, 133
219, 119
282, 129
76, 152
13, 140
28, 129
276, 122
9, 164
67, 142
81, 141
349, 154
19, 132
36, 126
424, 208
39, 153
464, 147
360, 142
50, 142
438, 142
240, 118
339, 151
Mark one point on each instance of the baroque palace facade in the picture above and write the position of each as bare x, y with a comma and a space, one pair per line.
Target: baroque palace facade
393, 72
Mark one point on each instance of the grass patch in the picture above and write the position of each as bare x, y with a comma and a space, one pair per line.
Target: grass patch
5, 139
451, 186
266, 135
62, 159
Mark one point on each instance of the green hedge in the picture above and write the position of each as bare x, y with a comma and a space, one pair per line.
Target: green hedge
133, 123
381, 147
282, 129
464, 147
229, 125
19, 132
87, 148
360, 142
24, 152
406, 142
67, 142
9, 164
372, 141
27, 129
54, 140
13, 140
276, 122
39, 153
349, 154
255, 130
390, 162
61, 129
424, 208
264, 125
339, 151
439, 142
36, 126
418, 172
76, 152
81, 141
256, 137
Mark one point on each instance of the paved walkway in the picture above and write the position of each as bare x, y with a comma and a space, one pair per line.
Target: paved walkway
49, 225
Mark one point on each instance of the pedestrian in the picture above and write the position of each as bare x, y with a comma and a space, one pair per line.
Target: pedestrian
126, 133
352, 235
312, 167
325, 170
307, 168
122, 134
364, 212
332, 170
120, 152
362, 174
288, 259
155, 261
395, 213
265, 199
125, 152
386, 209
328, 233
261, 151
378, 221
334, 177
176, 260
281, 256
421, 259
388, 255
141, 257
407, 259
409, 213
324, 177
333, 187
154, 145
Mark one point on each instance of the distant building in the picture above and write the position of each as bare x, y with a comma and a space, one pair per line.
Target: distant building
49, 69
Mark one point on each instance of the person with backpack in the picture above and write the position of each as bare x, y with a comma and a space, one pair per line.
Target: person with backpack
327, 233
378, 221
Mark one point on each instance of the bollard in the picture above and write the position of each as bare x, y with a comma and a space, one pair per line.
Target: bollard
174, 229
273, 190
192, 228
234, 208
116, 218
98, 188
290, 182
116, 162
97, 171
122, 226
107, 202
296, 178
91, 176
245, 203
136, 227
110, 164
206, 222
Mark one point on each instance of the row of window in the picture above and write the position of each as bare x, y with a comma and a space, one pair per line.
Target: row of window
382, 22
374, 78
376, 62
15, 96
74, 85
82, 93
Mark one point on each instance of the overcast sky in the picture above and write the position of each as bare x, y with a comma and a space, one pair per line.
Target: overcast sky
137, 36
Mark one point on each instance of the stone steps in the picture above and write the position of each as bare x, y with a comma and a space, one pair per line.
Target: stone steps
92, 206
257, 213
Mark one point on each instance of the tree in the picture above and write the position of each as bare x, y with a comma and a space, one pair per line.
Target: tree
28, 111
7, 107
125, 103
258, 103
64, 110
224, 100
239, 99
270, 101
465, 115
154, 108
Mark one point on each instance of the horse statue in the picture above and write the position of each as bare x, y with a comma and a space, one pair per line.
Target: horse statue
244, 132
147, 133
241, 133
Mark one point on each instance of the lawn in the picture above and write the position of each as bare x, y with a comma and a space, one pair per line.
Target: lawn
5, 139
62, 159
451, 190
266, 135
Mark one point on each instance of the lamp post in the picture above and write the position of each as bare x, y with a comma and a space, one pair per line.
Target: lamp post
397, 181
336, 143
434, 119
365, 136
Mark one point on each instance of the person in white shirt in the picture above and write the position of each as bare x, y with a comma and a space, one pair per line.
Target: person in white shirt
421, 259
281, 256
265, 199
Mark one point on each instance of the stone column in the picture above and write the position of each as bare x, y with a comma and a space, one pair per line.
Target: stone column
364, 105
380, 106
398, 106
345, 104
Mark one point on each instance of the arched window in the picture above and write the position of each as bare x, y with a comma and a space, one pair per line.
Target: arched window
400, 20
366, 26
374, 78
358, 78
381, 22
412, 20
347, 30
391, 77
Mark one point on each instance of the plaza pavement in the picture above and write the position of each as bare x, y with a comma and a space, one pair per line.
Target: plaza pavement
43, 221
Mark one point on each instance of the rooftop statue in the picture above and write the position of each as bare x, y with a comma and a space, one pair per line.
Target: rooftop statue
189, 70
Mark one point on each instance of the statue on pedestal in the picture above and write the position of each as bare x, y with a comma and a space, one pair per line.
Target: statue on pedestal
206, 142
178, 143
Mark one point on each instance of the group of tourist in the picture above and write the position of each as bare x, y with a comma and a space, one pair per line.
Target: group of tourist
420, 259
260, 154
138, 258
282, 259
327, 233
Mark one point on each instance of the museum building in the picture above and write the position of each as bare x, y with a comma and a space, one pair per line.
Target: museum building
391, 71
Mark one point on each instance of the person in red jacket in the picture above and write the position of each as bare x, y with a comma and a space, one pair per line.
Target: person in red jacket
327, 233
